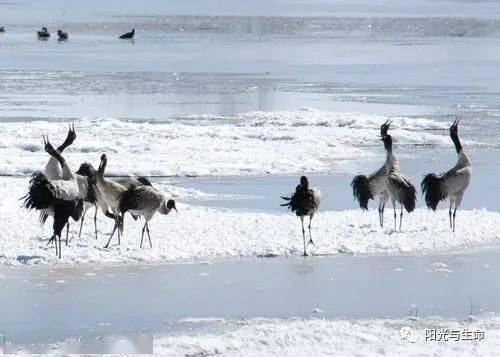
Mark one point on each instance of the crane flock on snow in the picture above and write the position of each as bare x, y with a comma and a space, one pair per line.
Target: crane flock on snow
61, 193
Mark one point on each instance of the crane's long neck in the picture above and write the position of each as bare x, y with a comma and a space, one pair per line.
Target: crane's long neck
391, 162
102, 168
463, 160
456, 141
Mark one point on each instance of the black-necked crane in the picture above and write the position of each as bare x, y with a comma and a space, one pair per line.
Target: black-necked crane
399, 186
145, 201
304, 202
451, 184
59, 196
110, 192
86, 189
128, 35
86, 169
63, 36
43, 33
369, 187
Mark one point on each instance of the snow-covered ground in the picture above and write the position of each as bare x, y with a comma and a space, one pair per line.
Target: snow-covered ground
200, 233
314, 337
318, 337
255, 143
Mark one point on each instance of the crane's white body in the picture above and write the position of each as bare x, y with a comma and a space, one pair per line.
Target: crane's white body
456, 180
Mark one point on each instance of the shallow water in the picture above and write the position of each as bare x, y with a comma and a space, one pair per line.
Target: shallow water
263, 193
41, 304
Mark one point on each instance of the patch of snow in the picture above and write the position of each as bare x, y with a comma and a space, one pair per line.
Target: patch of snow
322, 337
255, 143
201, 233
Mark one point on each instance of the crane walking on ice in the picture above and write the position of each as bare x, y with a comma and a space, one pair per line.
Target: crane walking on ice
304, 202
398, 184
145, 201
367, 187
451, 184
59, 196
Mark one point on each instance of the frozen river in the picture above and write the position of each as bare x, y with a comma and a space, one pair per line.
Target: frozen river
47, 304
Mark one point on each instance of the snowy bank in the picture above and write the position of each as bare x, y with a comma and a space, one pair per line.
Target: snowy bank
255, 143
200, 233
308, 337
319, 337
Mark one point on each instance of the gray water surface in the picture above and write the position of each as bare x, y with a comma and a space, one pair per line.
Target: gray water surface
43, 304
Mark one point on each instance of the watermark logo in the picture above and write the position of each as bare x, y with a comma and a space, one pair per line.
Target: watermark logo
453, 334
408, 334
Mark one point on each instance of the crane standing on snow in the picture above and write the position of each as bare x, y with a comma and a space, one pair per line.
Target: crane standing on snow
304, 202
367, 187
451, 184
59, 196
86, 189
110, 192
398, 184
144, 201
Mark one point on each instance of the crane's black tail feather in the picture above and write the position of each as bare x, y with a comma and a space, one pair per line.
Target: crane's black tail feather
40, 193
361, 190
433, 191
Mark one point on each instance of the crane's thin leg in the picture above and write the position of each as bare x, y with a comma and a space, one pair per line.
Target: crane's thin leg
394, 207
51, 239
401, 218
449, 214
142, 236
310, 236
81, 224
454, 214
60, 248
67, 233
380, 215
118, 236
120, 228
303, 235
95, 222
112, 233
149, 237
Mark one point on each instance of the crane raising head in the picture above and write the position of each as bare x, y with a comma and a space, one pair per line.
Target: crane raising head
454, 126
385, 127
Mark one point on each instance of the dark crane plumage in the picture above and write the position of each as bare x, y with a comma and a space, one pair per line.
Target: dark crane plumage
304, 202
59, 196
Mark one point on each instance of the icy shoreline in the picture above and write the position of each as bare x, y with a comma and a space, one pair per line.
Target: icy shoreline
247, 144
199, 233
313, 336
316, 336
